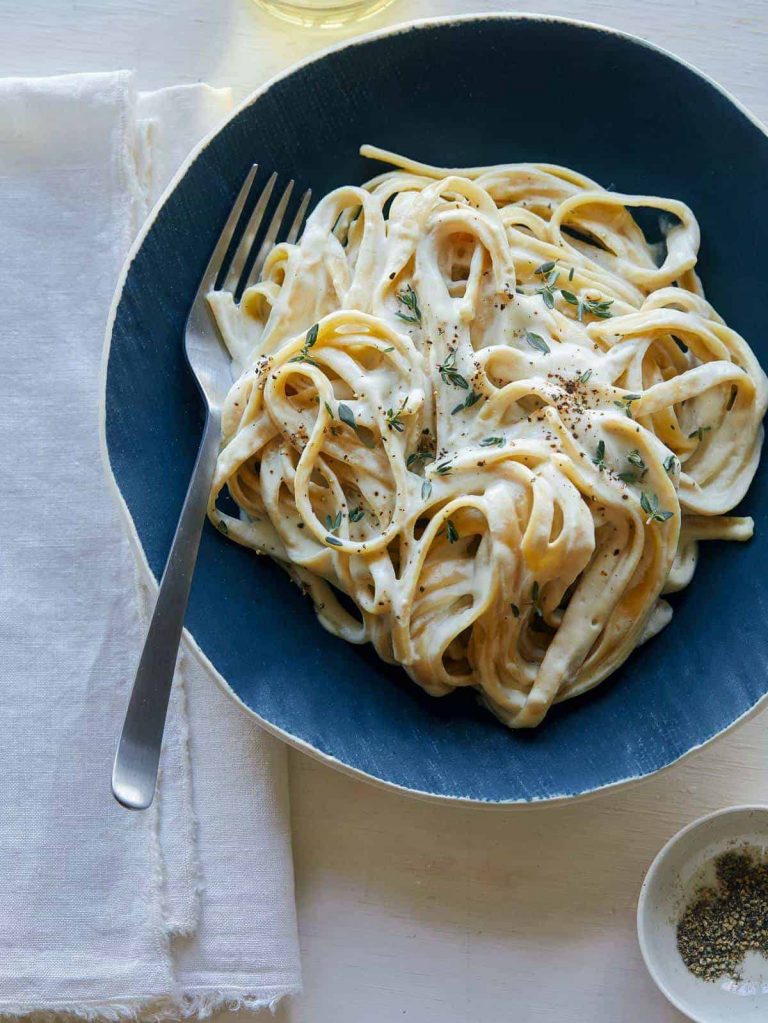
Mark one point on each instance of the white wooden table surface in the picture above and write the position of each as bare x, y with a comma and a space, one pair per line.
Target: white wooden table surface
410, 911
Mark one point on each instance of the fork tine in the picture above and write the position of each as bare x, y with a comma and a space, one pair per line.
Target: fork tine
270, 237
249, 235
298, 220
217, 258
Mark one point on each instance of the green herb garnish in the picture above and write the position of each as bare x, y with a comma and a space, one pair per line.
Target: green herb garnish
309, 342
444, 469
471, 399
347, 416
450, 375
669, 463
451, 532
515, 610
333, 540
221, 524
545, 268
410, 300
547, 291
492, 442
356, 514
634, 459
599, 456
650, 506
332, 524
625, 403
426, 490
394, 422
699, 433
536, 341
419, 456
599, 309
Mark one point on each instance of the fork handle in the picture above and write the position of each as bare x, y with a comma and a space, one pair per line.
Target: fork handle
134, 773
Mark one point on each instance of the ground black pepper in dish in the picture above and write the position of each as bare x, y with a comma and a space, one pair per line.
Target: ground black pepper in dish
725, 922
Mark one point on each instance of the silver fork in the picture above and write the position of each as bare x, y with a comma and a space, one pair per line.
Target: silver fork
134, 773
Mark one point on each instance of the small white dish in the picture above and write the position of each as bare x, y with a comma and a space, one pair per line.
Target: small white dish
672, 879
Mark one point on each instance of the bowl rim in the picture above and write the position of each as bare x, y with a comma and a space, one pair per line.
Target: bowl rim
650, 877
130, 528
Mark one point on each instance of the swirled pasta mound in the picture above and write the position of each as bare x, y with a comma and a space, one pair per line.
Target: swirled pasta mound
483, 422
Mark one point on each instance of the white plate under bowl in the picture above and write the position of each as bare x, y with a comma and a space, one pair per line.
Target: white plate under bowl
669, 885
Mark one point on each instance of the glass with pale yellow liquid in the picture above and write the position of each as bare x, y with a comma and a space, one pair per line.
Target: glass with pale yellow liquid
323, 13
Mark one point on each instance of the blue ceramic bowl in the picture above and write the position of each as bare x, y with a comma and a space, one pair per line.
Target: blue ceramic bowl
477, 90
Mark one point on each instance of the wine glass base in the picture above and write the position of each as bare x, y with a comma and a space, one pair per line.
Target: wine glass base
332, 16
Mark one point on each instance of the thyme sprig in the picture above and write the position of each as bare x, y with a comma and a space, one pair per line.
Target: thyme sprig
450, 375
410, 300
599, 456
309, 342
419, 456
634, 458
625, 402
650, 505
601, 308
699, 433
451, 531
355, 514
550, 272
492, 442
394, 417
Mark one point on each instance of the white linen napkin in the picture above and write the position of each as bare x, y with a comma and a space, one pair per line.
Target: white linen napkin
105, 913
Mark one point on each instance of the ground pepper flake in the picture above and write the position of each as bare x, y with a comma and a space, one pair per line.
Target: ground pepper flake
725, 922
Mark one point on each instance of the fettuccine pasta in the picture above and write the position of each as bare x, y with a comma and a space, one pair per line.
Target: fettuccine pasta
484, 423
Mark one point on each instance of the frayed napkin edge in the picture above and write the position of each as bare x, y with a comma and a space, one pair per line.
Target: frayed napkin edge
185, 1004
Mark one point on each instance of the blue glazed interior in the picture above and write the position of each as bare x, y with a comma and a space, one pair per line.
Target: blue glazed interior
520, 89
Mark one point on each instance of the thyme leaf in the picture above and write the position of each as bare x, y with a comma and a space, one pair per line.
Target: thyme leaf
536, 341
599, 456
332, 524
471, 399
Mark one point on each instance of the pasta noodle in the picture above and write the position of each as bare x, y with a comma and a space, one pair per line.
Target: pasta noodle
484, 423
